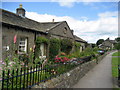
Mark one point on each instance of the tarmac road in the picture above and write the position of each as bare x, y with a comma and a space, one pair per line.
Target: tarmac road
99, 77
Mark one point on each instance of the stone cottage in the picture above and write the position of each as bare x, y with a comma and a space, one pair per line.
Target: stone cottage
82, 42
107, 44
22, 32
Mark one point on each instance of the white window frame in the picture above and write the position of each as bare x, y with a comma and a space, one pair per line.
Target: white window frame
23, 45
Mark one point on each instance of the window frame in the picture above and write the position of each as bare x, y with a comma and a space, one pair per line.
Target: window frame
24, 45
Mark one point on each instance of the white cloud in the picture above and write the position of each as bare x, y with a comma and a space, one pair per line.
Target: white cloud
105, 26
108, 14
70, 3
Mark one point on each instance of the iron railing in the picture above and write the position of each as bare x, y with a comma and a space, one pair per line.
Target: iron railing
27, 77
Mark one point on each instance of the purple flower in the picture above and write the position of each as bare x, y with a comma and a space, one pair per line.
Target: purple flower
3, 63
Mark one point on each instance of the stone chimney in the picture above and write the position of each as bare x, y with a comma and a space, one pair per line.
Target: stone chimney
20, 11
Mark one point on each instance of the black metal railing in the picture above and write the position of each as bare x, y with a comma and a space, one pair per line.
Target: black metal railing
27, 77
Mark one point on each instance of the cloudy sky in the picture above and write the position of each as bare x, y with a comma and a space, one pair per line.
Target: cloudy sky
89, 20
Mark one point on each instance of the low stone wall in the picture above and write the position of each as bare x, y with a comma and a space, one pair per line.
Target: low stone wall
70, 78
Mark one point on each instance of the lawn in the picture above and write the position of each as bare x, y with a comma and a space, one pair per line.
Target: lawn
115, 63
116, 53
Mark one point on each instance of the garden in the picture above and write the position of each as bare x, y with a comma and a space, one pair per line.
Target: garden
24, 71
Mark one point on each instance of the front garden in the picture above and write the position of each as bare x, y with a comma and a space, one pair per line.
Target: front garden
24, 71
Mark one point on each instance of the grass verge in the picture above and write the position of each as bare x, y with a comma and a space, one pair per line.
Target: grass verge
115, 63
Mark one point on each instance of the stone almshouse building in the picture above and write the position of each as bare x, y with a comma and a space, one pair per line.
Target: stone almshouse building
17, 27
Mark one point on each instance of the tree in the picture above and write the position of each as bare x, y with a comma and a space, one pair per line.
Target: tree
117, 39
100, 41
93, 45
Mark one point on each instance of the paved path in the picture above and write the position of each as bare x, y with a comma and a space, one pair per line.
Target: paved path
99, 77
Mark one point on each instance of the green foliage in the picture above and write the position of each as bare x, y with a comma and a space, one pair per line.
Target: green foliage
38, 42
100, 41
117, 46
116, 54
77, 46
54, 47
117, 39
66, 45
115, 66
88, 51
93, 45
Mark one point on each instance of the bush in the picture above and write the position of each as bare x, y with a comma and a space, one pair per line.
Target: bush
117, 46
77, 46
54, 47
66, 45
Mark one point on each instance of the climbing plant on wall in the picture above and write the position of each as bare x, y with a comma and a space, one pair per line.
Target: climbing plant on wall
66, 45
54, 47
38, 42
77, 46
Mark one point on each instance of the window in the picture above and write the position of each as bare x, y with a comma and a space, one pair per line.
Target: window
23, 45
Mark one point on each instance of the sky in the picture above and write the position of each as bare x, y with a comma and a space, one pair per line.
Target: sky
89, 20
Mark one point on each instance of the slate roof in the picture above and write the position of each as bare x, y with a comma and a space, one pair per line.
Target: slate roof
16, 20
79, 39
108, 42
113, 41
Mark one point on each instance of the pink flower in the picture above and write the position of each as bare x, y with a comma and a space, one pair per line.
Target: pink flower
11, 65
22, 64
15, 38
0, 68
0, 78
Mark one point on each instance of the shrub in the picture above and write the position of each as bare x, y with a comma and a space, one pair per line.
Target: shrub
66, 45
54, 47
77, 46
61, 58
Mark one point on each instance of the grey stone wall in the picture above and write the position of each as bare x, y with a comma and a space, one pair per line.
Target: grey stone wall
8, 34
70, 78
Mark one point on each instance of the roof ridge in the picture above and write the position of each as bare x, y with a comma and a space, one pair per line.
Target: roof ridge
55, 26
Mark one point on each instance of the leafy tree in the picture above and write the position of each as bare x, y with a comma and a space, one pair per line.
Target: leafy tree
93, 45
100, 41
117, 39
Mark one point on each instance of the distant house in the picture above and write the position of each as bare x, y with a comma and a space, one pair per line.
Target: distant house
107, 44
81, 41
18, 29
